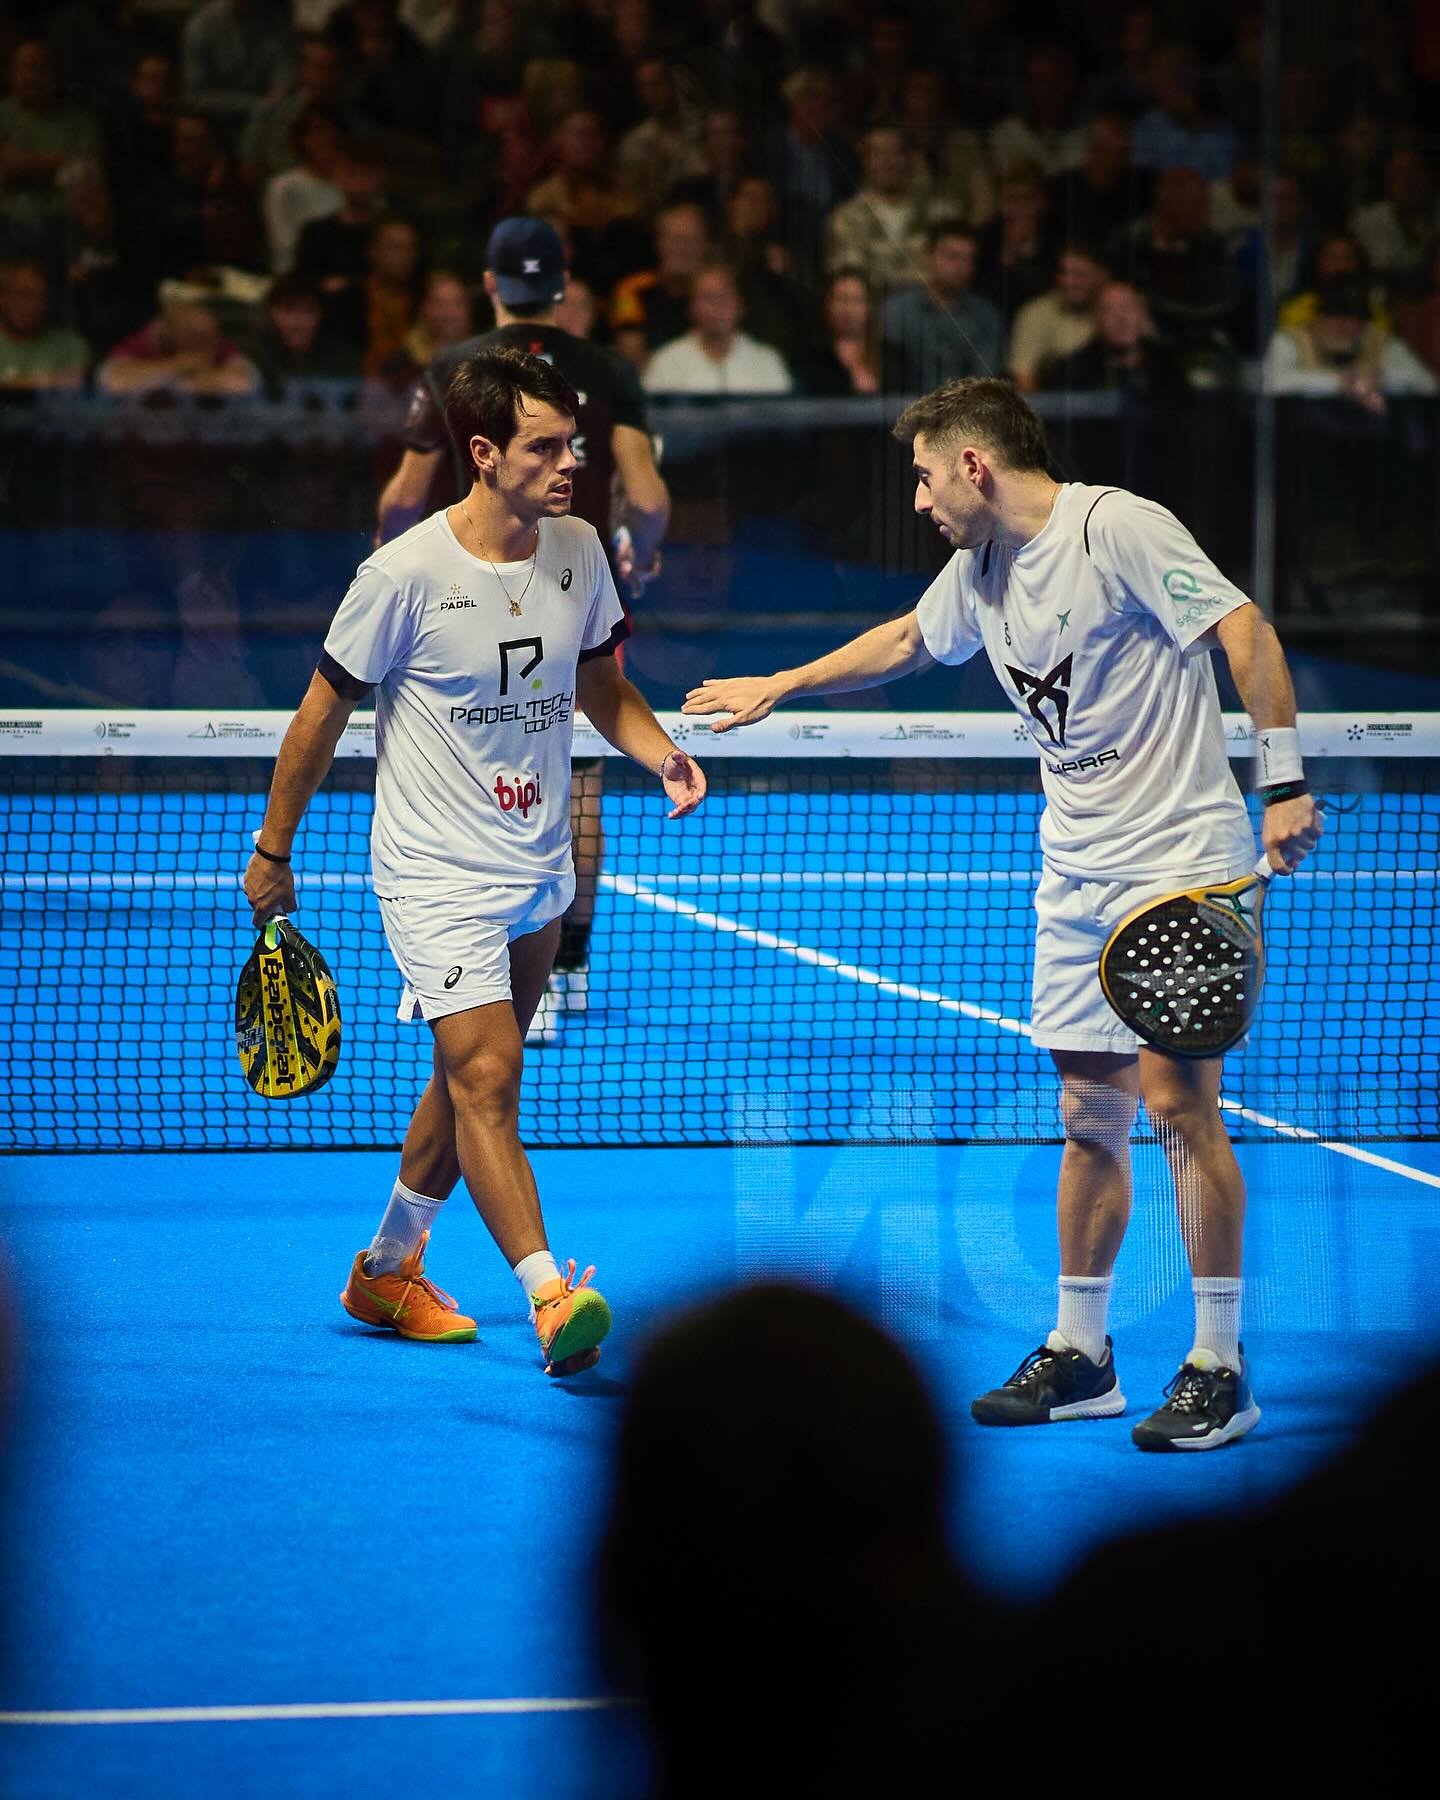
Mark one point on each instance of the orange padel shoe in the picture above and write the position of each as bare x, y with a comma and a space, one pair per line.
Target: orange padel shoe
571, 1322
406, 1302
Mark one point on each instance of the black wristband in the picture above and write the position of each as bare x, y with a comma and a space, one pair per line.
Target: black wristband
270, 855
1284, 790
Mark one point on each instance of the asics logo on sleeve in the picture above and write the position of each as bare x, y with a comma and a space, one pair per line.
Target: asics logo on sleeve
1035, 690
518, 795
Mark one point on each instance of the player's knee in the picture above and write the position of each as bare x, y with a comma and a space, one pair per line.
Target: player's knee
1175, 1108
1097, 1115
486, 1084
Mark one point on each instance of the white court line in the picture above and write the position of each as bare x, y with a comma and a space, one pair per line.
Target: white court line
340, 1709
820, 959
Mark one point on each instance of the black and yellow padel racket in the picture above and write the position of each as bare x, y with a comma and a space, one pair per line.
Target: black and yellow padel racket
1184, 972
287, 1015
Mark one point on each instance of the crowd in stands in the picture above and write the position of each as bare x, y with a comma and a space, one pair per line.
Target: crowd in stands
758, 196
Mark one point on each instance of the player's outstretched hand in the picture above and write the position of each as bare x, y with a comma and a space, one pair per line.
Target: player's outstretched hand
270, 889
684, 781
1290, 831
747, 698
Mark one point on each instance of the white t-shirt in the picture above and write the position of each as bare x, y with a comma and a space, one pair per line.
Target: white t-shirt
475, 703
1093, 629
749, 367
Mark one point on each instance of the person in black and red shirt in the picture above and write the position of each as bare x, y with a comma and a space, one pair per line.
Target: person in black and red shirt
525, 279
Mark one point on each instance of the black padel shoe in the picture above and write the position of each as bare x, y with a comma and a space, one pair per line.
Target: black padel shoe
1053, 1383
1208, 1404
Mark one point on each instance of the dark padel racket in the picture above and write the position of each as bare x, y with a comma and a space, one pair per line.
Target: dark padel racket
287, 1015
1184, 972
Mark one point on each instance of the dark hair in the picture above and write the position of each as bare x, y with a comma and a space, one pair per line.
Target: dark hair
985, 410
949, 228
295, 290
485, 392
529, 309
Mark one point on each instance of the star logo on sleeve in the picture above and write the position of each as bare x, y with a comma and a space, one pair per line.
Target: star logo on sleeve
1035, 690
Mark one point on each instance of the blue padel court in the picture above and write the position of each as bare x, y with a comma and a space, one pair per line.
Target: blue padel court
226, 1494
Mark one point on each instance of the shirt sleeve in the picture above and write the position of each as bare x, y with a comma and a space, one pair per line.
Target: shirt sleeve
1158, 567
606, 626
947, 617
627, 399
425, 427
373, 630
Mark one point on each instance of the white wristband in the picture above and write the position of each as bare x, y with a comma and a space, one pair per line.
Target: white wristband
1277, 756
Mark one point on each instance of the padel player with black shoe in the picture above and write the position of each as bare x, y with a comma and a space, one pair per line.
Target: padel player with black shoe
525, 278
1097, 610
480, 631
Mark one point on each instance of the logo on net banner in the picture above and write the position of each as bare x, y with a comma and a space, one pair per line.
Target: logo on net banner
518, 793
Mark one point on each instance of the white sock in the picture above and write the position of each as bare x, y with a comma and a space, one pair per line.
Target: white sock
535, 1270
407, 1218
1084, 1302
1217, 1316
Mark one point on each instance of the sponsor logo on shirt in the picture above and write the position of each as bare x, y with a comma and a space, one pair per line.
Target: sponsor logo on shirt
1192, 603
538, 714
1081, 763
1039, 690
518, 794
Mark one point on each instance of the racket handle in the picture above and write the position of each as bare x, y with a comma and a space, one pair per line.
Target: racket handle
1263, 871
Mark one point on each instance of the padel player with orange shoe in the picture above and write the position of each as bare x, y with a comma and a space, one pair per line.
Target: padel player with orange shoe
1097, 610
480, 631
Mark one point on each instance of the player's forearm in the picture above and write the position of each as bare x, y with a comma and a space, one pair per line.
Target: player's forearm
1261, 675
306, 753
646, 524
622, 716
884, 654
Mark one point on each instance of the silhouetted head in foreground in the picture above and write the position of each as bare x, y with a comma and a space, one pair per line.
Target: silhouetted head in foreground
775, 1580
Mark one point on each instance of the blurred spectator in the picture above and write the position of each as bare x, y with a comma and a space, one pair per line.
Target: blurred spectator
434, 22
1235, 201
308, 190
1017, 252
335, 250
104, 298
648, 309
1306, 132
487, 63
375, 314
1398, 233
882, 230
292, 344
780, 310
34, 353
716, 357
144, 123
1179, 132
93, 43
954, 156
197, 213
725, 154
1126, 88
579, 312
1421, 322
234, 54
1180, 264
1356, 176
848, 360
1337, 255
1241, 80
267, 145
42, 141
1044, 131
181, 352
584, 194
1052, 327
1105, 192
1342, 351
810, 162
1123, 354
882, 62
940, 330
740, 1414
445, 320
1276, 265
666, 146
393, 81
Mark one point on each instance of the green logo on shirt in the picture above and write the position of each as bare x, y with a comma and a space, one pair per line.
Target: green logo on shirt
1180, 585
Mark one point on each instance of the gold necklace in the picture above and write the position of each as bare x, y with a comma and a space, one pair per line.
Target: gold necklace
514, 603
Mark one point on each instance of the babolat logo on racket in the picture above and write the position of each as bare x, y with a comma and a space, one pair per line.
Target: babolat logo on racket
287, 1015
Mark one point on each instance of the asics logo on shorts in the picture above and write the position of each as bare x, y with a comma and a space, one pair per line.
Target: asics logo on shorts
454, 976
518, 795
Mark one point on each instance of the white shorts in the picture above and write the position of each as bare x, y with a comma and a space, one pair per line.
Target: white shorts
1073, 918
453, 949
